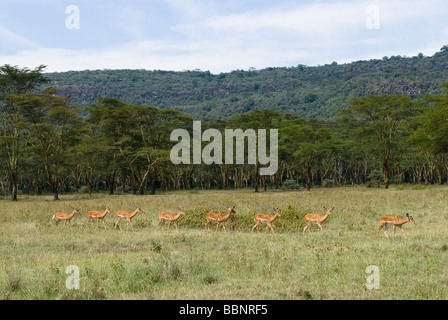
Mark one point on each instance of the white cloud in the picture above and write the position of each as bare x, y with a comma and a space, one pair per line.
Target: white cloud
282, 35
14, 40
191, 8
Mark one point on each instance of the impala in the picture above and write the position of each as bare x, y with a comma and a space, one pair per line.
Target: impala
170, 217
265, 218
98, 215
316, 219
128, 215
396, 221
58, 216
219, 218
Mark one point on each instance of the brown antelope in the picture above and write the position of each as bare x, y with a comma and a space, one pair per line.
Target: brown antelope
58, 216
219, 218
128, 215
98, 215
396, 221
316, 219
265, 218
170, 217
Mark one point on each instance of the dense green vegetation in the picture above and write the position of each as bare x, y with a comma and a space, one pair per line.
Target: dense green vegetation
310, 92
50, 144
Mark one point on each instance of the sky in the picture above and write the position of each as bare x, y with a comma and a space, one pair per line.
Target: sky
215, 35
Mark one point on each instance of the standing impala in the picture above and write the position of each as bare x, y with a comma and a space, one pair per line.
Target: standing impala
58, 216
170, 217
128, 215
265, 218
396, 221
316, 219
219, 218
98, 215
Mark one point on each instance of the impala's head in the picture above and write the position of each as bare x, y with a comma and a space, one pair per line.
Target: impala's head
232, 210
138, 209
75, 210
410, 218
181, 211
328, 211
107, 209
277, 211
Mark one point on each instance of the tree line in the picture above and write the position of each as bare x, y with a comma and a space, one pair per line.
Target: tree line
47, 144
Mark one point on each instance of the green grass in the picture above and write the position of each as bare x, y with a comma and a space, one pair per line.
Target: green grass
193, 264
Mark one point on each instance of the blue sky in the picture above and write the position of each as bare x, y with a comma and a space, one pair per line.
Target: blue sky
215, 35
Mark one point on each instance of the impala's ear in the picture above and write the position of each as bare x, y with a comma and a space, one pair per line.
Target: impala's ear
332, 209
325, 208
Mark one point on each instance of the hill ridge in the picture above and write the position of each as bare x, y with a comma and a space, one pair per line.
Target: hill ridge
315, 92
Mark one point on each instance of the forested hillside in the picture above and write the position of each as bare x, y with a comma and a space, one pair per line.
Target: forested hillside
310, 92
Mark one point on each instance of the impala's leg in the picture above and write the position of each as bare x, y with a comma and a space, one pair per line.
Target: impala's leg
224, 227
129, 221
256, 225
308, 226
320, 227
402, 231
270, 226
217, 226
104, 225
379, 229
117, 224
394, 230
385, 230
175, 224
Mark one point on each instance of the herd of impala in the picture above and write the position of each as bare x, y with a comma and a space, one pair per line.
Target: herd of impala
220, 219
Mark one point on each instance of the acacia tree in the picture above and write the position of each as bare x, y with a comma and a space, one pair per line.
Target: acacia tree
257, 119
136, 135
305, 146
53, 126
430, 136
384, 123
15, 82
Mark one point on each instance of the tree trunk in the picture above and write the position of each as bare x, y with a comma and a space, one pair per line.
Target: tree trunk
15, 184
386, 175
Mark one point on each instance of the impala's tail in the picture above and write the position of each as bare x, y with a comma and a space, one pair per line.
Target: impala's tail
54, 216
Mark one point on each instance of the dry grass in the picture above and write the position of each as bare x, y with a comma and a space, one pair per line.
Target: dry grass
192, 264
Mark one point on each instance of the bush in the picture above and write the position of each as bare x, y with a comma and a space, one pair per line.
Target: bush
329, 183
290, 184
290, 220
375, 179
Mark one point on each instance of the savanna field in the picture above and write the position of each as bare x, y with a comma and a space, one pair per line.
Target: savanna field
191, 264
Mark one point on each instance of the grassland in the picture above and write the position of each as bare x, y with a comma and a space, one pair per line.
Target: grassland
192, 264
